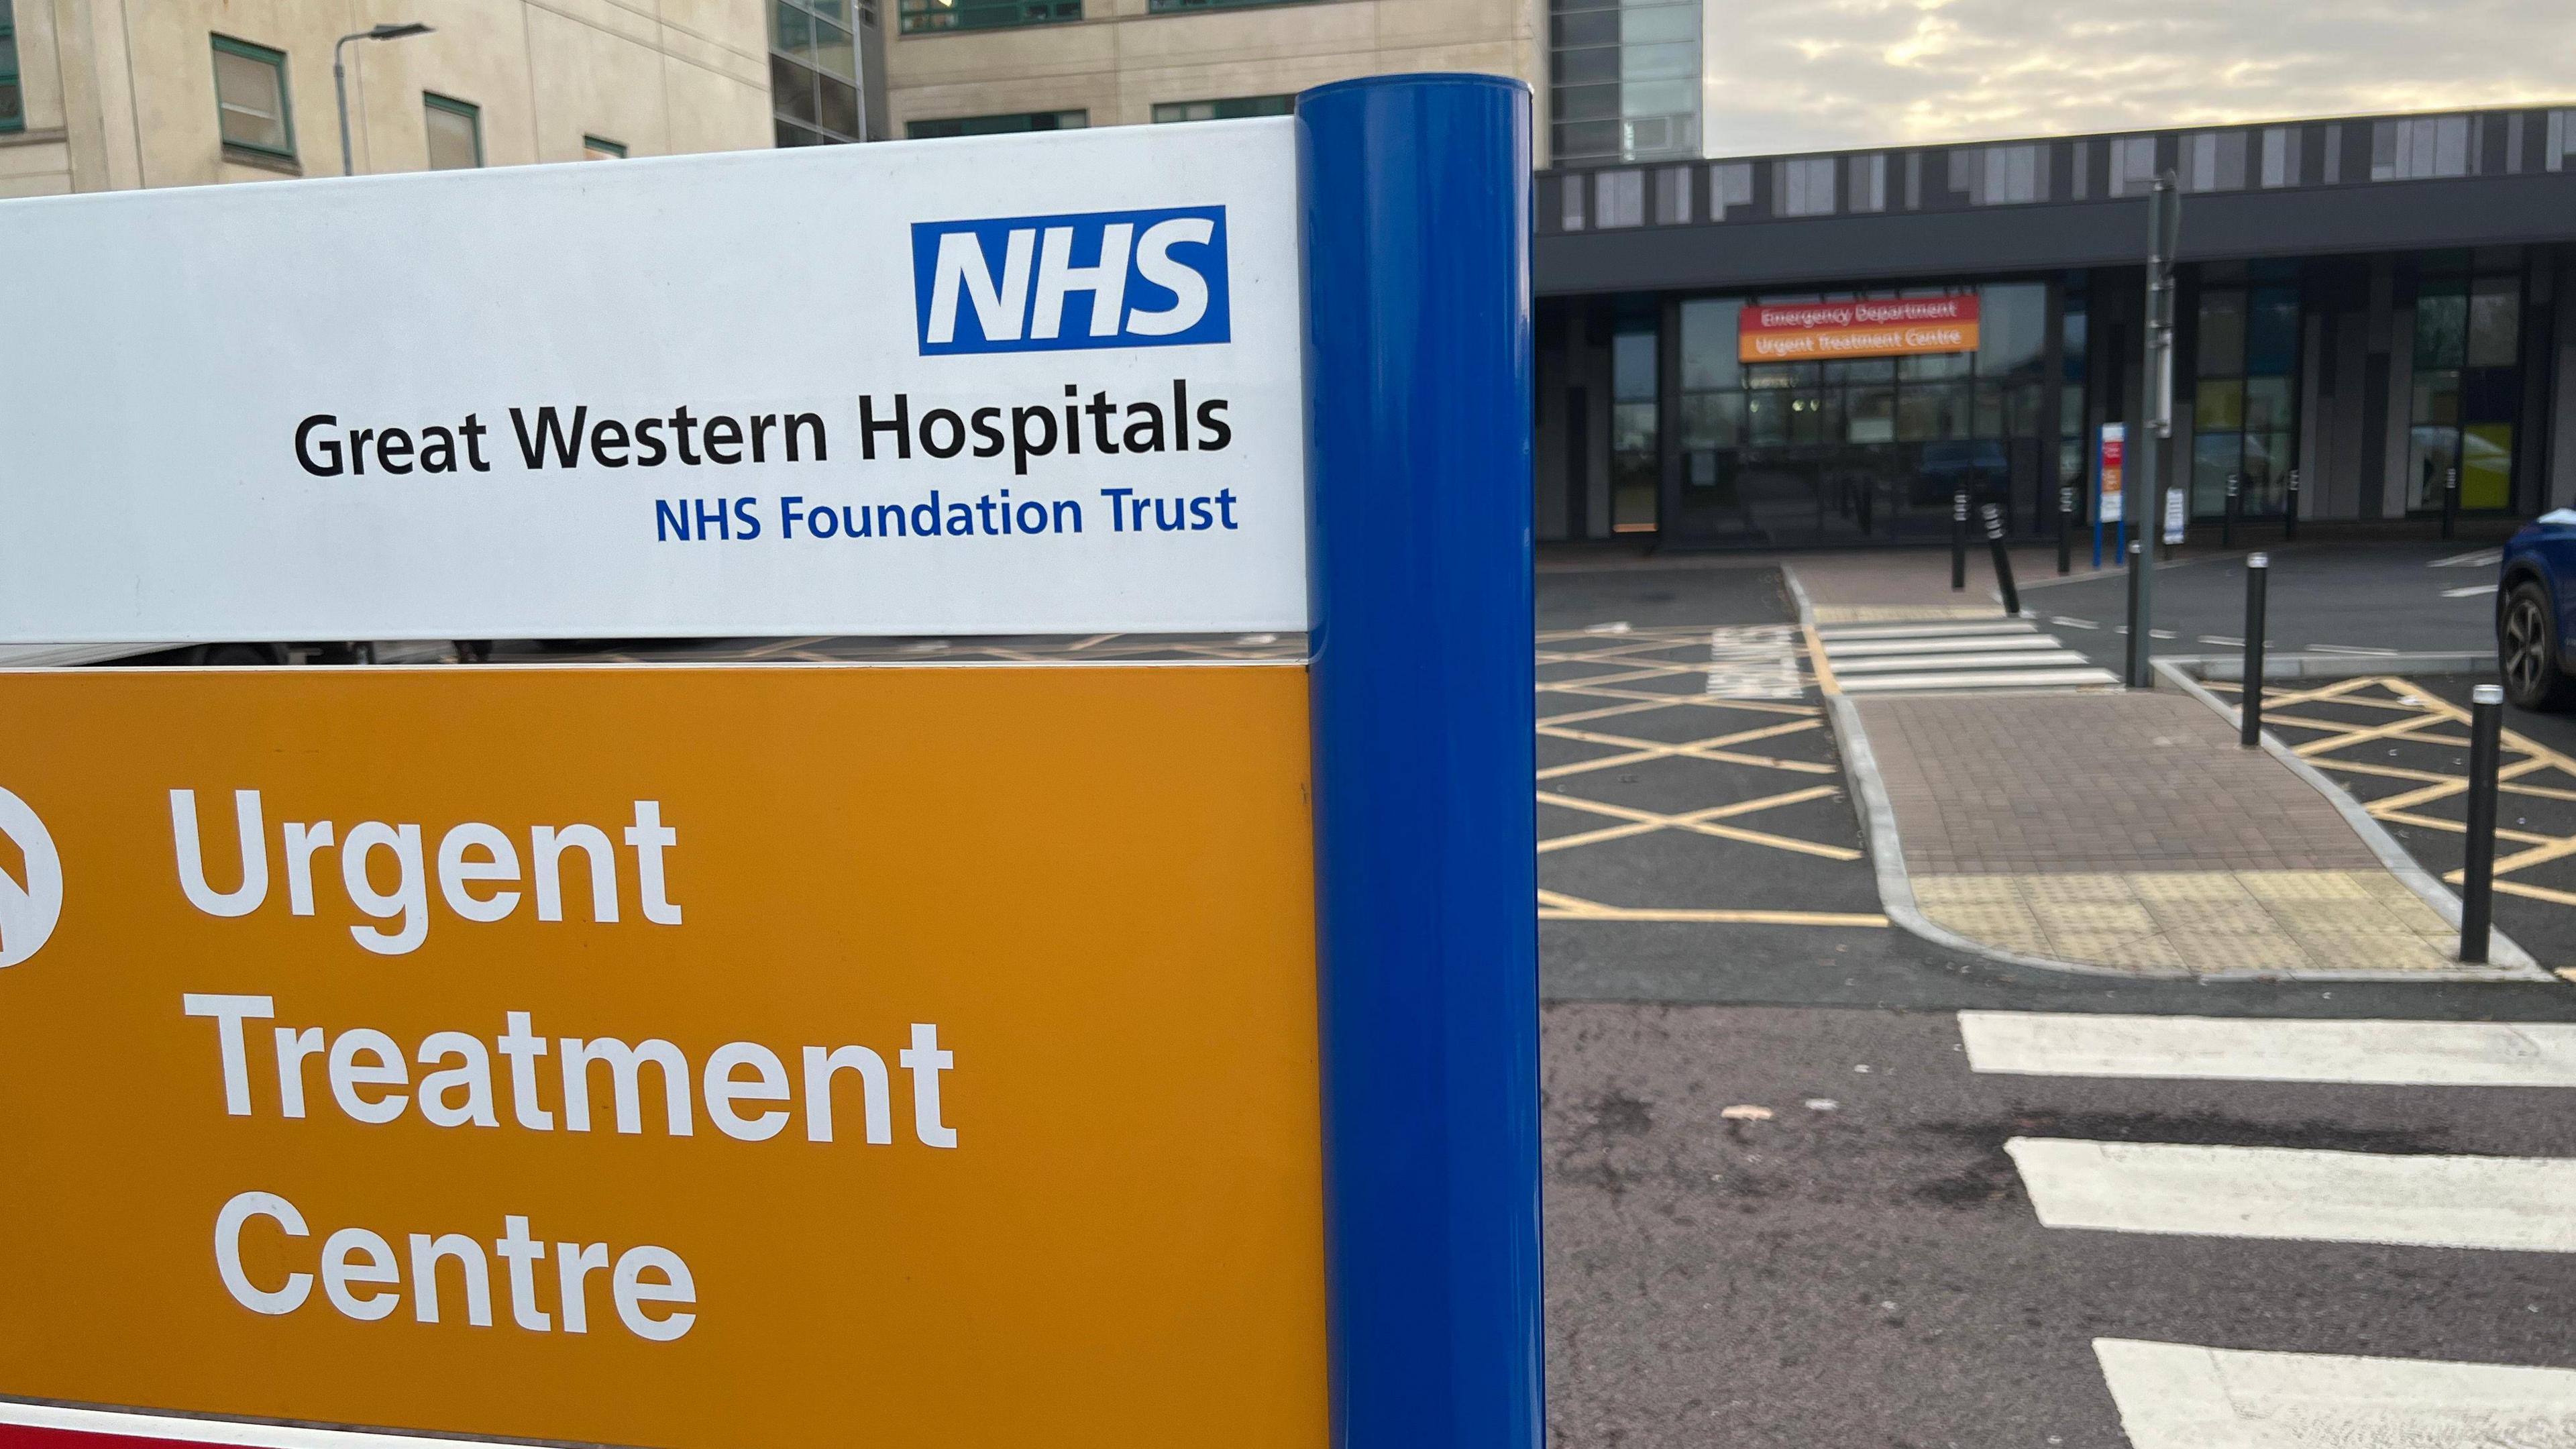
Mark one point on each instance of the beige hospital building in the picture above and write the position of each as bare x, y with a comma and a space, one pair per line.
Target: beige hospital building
113, 94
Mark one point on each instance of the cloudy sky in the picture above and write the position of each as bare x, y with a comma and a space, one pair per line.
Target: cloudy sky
1798, 75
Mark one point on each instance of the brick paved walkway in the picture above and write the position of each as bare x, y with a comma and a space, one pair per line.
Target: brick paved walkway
2129, 831
2067, 783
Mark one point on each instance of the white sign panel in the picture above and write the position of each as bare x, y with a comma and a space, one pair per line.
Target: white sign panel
1010, 385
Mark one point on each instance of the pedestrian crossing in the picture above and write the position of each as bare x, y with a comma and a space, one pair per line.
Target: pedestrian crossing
1987, 654
2189, 1396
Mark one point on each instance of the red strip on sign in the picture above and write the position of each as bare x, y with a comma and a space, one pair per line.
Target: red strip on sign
1889, 312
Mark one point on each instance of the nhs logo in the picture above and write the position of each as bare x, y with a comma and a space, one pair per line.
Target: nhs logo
1047, 283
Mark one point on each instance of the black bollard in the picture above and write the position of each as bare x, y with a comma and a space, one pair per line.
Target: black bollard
2136, 668
2290, 520
2065, 529
2450, 500
2477, 877
2258, 576
1959, 539
2227, 517
2003, 560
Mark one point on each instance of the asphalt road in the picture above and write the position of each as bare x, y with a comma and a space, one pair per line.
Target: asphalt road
2358, 599
1780, 1206
1873, 1273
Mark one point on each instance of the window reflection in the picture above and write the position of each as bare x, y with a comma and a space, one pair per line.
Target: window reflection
1869, 447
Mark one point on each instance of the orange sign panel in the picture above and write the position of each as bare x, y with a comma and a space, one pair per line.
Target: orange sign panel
1890, 327
688, 1057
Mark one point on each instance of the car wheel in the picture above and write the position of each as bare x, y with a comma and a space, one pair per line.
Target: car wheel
2527, 650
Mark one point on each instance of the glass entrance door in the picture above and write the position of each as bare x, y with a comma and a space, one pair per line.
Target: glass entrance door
2468, 391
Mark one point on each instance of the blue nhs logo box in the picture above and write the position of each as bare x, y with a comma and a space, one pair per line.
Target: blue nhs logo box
1051, 283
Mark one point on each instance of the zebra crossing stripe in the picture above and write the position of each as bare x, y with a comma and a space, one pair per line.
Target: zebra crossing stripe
2004, 654
1919, 631
2383, 1053
1982, 643
2023, 659
2178, 1396
2517, 1204
1992, 679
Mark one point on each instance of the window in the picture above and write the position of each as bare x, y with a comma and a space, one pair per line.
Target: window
455, 133
1623, 79
250, 98
1803, 187
1672, 195
1000, 125
1869, 183
2247, 362
933, 16
1619, 198
2133, 166
2281, 156
1570, 191
13, 110
1730, 183
814, 72
1999, 175
1168, 7
1634, 460
600, 148
2560, 140
2420, 147
1234, 109
2467, 392
1851, 447
2213, 161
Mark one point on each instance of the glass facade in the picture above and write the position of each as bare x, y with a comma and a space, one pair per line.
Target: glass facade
2244, 400
922, 17
1009, 125
1635, 395
1231, 109
1623, 80
814, 71
2467, 387
1864, 448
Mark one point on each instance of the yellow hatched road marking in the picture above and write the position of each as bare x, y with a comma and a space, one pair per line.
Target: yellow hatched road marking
1655, 702
1712, 749
1700, 821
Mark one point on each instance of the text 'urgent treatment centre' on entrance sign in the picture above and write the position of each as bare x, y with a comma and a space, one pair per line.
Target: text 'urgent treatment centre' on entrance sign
733, 1056
1869, 327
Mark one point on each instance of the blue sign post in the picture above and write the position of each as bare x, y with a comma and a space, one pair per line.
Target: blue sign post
1417, 200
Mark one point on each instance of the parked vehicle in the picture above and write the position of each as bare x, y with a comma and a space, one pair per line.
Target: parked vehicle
2535, 609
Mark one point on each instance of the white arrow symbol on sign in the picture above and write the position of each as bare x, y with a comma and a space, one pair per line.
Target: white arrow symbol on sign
29, 907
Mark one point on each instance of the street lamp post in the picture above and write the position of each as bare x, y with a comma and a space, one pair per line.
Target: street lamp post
2164, 235
340, 78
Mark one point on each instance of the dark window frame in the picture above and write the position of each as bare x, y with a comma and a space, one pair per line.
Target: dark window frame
1245, 107
935, 128
433, 101
959, 17
274, 59
15, 119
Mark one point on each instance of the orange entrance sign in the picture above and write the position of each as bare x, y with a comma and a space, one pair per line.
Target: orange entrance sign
1868, 327
692, 1057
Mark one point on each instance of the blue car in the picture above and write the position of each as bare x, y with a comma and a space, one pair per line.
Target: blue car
2535, 609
